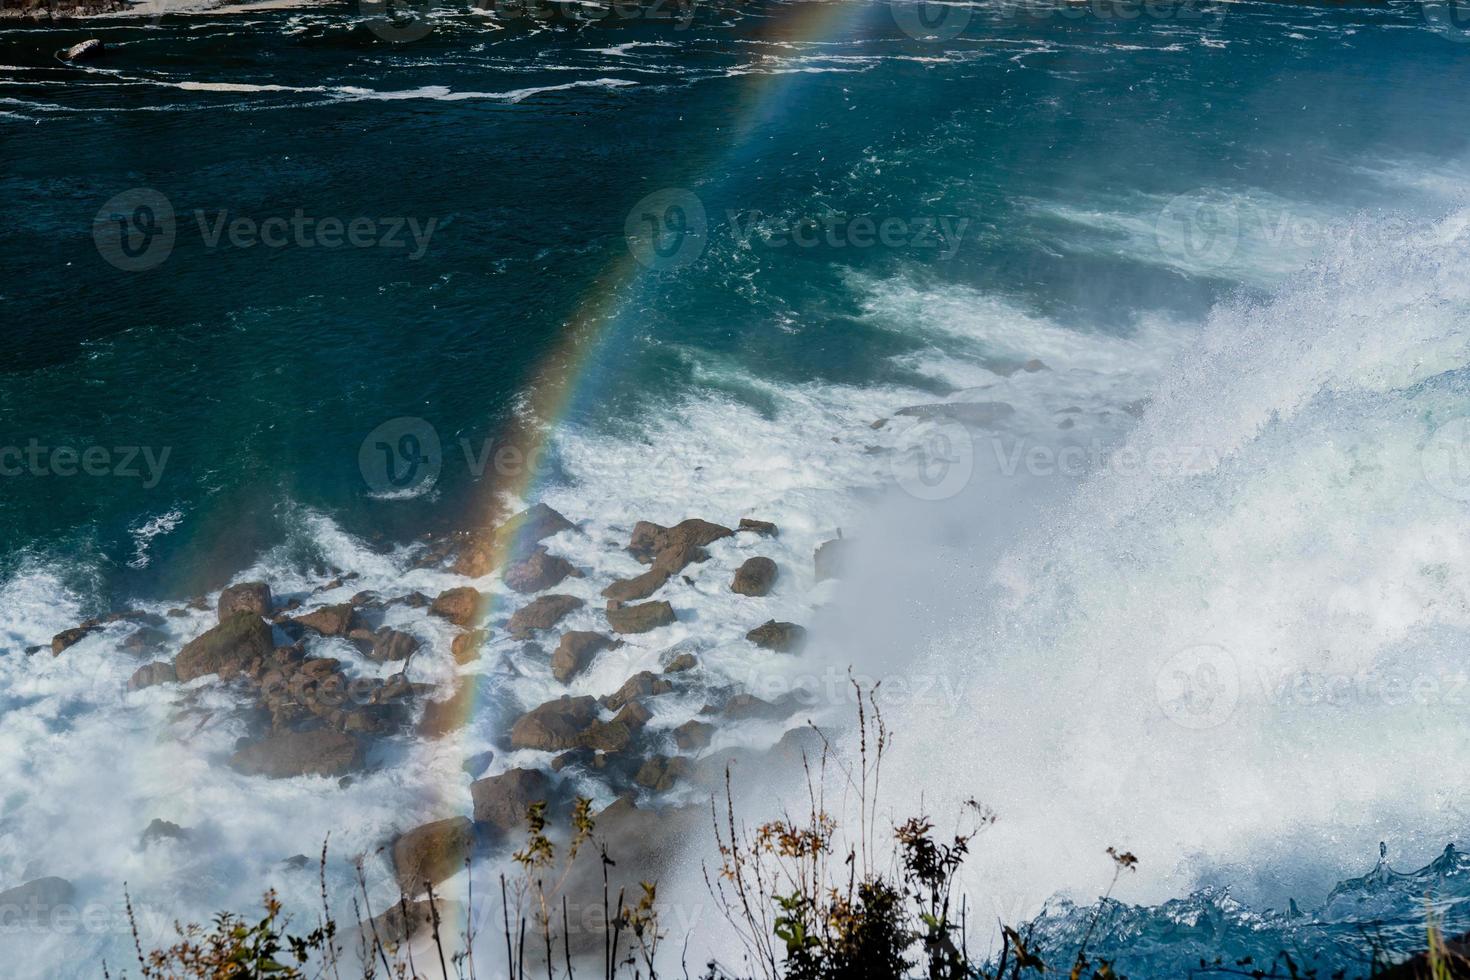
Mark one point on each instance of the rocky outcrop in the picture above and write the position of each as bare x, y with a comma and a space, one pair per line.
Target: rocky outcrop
829, 558
540, 571
338, 620
643, 684
660, 773
554, 726
780, 637
649, 540
442, 717
390, 644
763, 528
502, 801
286, 754
160, 831
755, 577
466, 646
432, 853
576, 651
640, 618
227, 649
70, 638
149, 675
618, 734
460, 606
680, 663
524, 530
693, 735
85, 51
638, 587
254, 597
542, 613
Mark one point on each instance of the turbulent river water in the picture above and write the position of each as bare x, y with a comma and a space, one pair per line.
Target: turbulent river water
1185, 571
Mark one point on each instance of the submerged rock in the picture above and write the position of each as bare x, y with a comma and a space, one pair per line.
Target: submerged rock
252, 597
144, 640
829, 558
576, 651
660, 773
755, 577
542, 613
432, 853
227, 649
641, 618
466, 646
693, 735
150, 675
286, 754
390, 644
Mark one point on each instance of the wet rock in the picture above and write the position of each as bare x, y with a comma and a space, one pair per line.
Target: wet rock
338, 620
676, 558
460, 606
286, 754
366, 599
414, 600
442, 717
85, 51
253, 597
976, 415
640, 618
576, 651
755, 577
144, 641
390, 644
541, 570
535, 524
502, 801
638, 587
432, 853
660, 773
649, 540
226, 649
70, 638
693, 735
763, 528
36, 902
619, 733
744, 707
829, 558
149, 675
476, 764
466, 646
780, 637
163, 830
643, 684
681, 663
542, 613
554, 726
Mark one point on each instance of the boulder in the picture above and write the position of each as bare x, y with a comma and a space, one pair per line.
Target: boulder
414, 600
641, 685
763, 528
442, 717
638, 587
466, 646
743, 707
618, 734
781, 637
659, 773
693, 735
71, 637
681, 663
640, 618
539, 571
521, 532
575, 652
476, 764
254, 597
227, 649
338, 620
144, 641
829, 558
649, 539
163, 830
432, 853
755, 577
542, 613
149, 675
501, 801
677, 557
36, 902
390, 644
286, 754
554, 726
84, 51
460, 606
